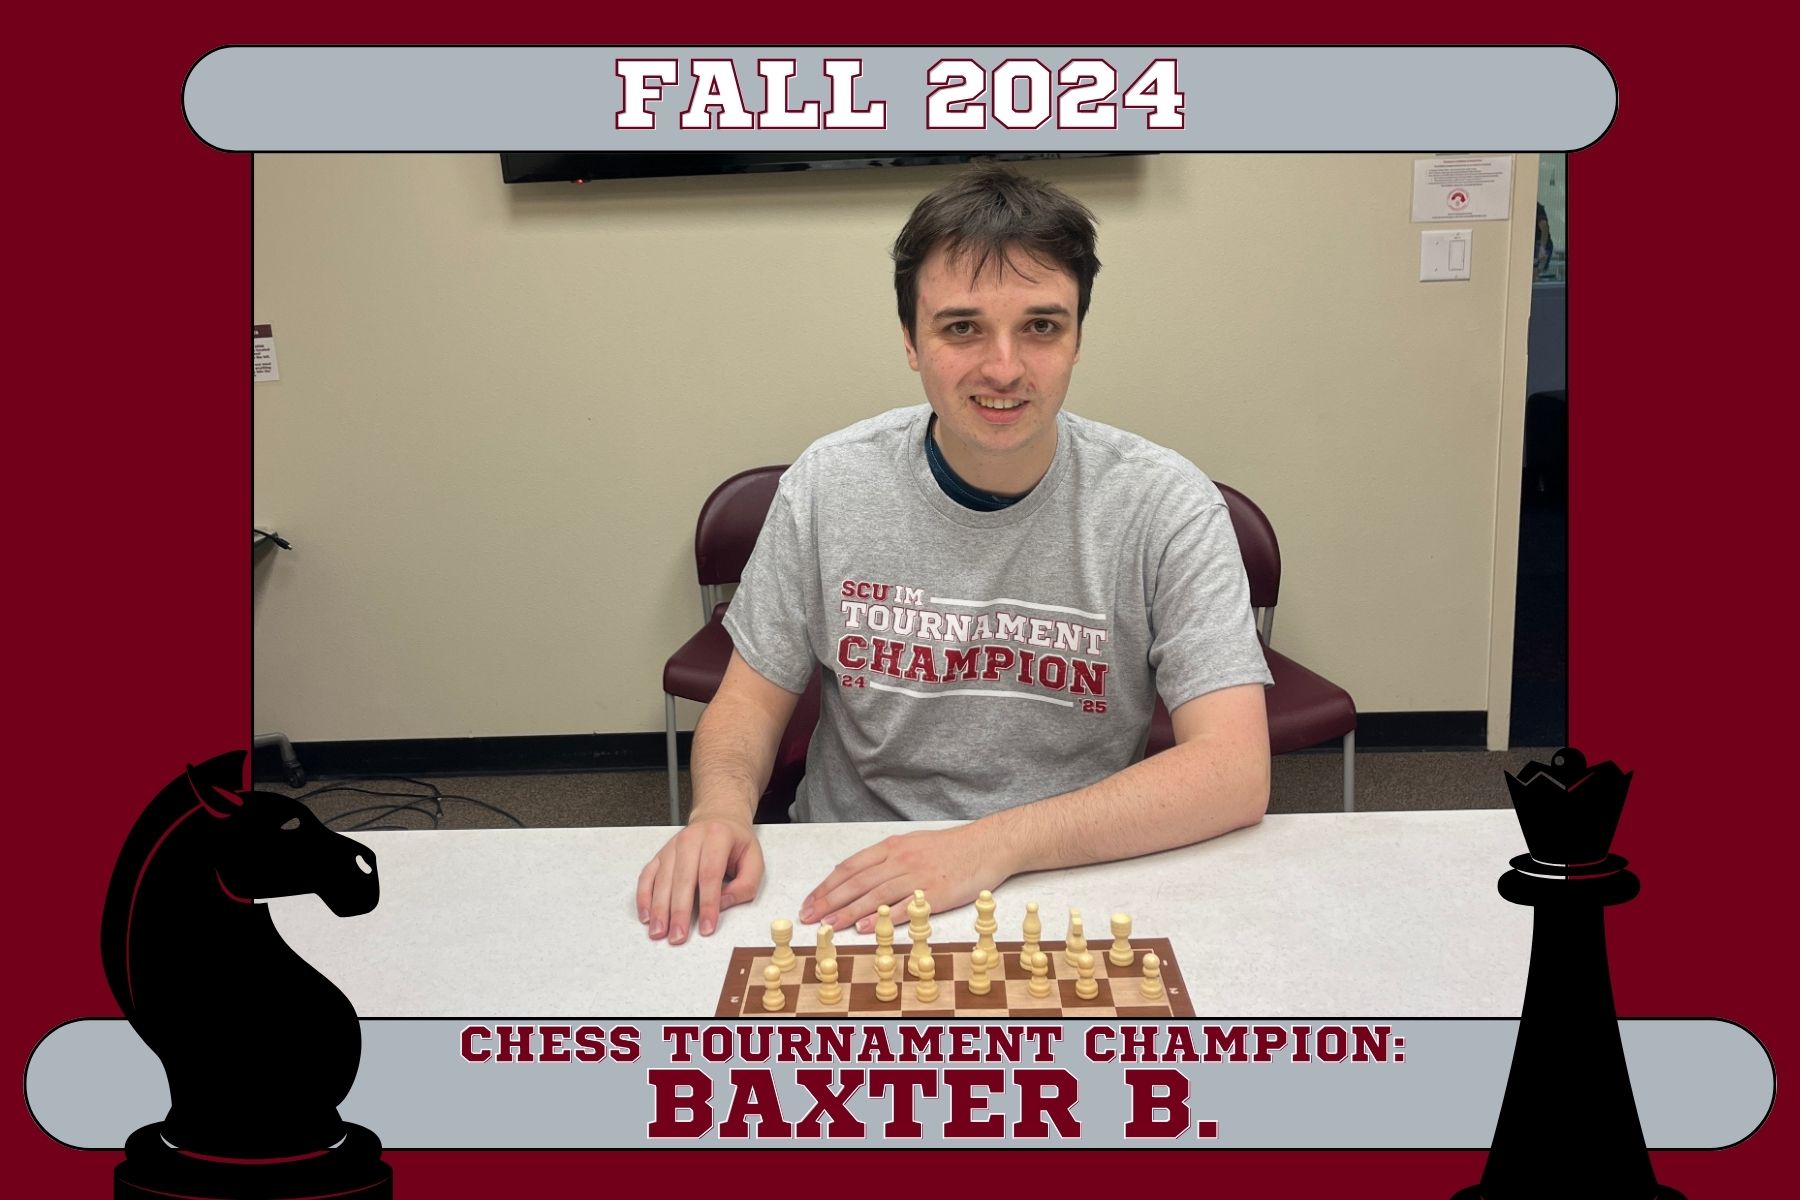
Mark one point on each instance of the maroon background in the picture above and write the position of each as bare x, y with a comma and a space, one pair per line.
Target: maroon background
130, 489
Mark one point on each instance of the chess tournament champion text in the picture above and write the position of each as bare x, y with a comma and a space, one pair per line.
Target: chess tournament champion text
767, 1080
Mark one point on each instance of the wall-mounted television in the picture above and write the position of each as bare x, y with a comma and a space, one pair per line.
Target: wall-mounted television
582, 167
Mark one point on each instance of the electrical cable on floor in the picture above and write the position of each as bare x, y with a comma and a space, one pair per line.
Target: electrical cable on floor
434, 795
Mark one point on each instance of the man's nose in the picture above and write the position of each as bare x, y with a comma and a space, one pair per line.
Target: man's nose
1002, 365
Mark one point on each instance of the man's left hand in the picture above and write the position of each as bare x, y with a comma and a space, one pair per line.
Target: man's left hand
951, 866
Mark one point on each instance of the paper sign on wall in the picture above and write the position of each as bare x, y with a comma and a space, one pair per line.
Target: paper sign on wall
1462, 189
262, 354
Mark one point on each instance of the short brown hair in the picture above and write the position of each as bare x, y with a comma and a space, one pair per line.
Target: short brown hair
987, 213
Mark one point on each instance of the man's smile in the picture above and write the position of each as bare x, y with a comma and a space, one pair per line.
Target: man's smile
1000, 410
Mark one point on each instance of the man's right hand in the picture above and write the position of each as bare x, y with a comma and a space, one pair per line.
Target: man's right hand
716, 858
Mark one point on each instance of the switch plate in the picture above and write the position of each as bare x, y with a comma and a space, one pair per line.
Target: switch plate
1445, 254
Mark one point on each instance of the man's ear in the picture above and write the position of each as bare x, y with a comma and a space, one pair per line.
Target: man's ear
912, 353
1077, 357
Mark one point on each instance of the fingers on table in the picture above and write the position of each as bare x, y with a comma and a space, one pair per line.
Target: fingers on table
702, 849
861, 911
646, 882
669, 905
715, 853
859, 896
660, 889
840, 884
746, 869
695, 864
683, 889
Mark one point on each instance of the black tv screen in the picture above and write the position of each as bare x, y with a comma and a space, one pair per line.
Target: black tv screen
581, 167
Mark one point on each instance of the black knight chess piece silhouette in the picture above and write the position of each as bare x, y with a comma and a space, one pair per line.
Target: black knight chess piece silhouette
1568, 1126
259, 1048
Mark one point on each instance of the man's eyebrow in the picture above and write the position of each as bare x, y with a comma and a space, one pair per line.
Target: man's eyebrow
1036, 310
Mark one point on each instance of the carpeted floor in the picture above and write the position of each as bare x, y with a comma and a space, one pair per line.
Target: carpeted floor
1306, 782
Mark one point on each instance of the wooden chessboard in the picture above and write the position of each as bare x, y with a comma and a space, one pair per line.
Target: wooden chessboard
742, 995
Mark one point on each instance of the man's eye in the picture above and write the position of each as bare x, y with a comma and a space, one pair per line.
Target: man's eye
1044, 325
960, 328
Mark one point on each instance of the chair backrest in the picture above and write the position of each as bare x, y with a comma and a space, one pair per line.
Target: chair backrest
1260, 551
729, 523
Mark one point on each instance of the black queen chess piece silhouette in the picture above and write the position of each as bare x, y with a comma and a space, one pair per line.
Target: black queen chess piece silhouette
1568, 1125
259, 1048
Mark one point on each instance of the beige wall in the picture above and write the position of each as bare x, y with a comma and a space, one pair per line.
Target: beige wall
501, 407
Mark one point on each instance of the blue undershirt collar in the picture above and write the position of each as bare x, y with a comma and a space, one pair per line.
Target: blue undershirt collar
954, 487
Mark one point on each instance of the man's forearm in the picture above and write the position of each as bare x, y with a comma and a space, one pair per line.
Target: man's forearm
733, 756
1216, 779
1189, 793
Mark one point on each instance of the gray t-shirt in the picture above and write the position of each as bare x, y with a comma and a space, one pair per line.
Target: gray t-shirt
972, 661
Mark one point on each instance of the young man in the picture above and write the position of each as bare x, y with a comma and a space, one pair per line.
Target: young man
996, 591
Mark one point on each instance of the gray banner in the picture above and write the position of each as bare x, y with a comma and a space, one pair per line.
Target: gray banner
1398, 98
1411, 1084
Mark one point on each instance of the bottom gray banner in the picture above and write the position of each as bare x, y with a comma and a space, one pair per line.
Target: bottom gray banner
559, 1083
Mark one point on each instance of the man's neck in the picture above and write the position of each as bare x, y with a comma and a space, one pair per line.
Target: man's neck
996, 476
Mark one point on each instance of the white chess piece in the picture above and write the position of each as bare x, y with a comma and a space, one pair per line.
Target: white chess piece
1121, 953
884, 930
1034, 927
1086, 986
774, 999
928, 988
1040, 975
1152, 985
918, 911
782, 930
1076, 942
985, 925
918, 928
829, 990
885, 987
978, 968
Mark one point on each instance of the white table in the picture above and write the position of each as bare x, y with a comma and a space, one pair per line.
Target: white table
1307, 915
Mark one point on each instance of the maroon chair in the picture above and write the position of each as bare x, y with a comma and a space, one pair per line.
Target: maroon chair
724, 536
1305, 708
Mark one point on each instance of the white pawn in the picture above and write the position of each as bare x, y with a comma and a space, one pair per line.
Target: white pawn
1152, 984
928, 988
829, 990
773, 998
1040, 974
1086, 987
1121, 953
884, 930
1076, 942
885, 987
978, 968
782, 930
1033, 929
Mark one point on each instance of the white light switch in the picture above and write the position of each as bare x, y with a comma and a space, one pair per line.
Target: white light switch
1444, 254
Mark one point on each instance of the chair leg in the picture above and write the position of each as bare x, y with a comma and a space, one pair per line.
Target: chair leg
674, 760
1350, 771
296, 775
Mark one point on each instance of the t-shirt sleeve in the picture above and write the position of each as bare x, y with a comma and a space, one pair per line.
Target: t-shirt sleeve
1203, 635
777, 600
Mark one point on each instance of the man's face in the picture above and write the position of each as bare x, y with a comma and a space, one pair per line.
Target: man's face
995, 353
